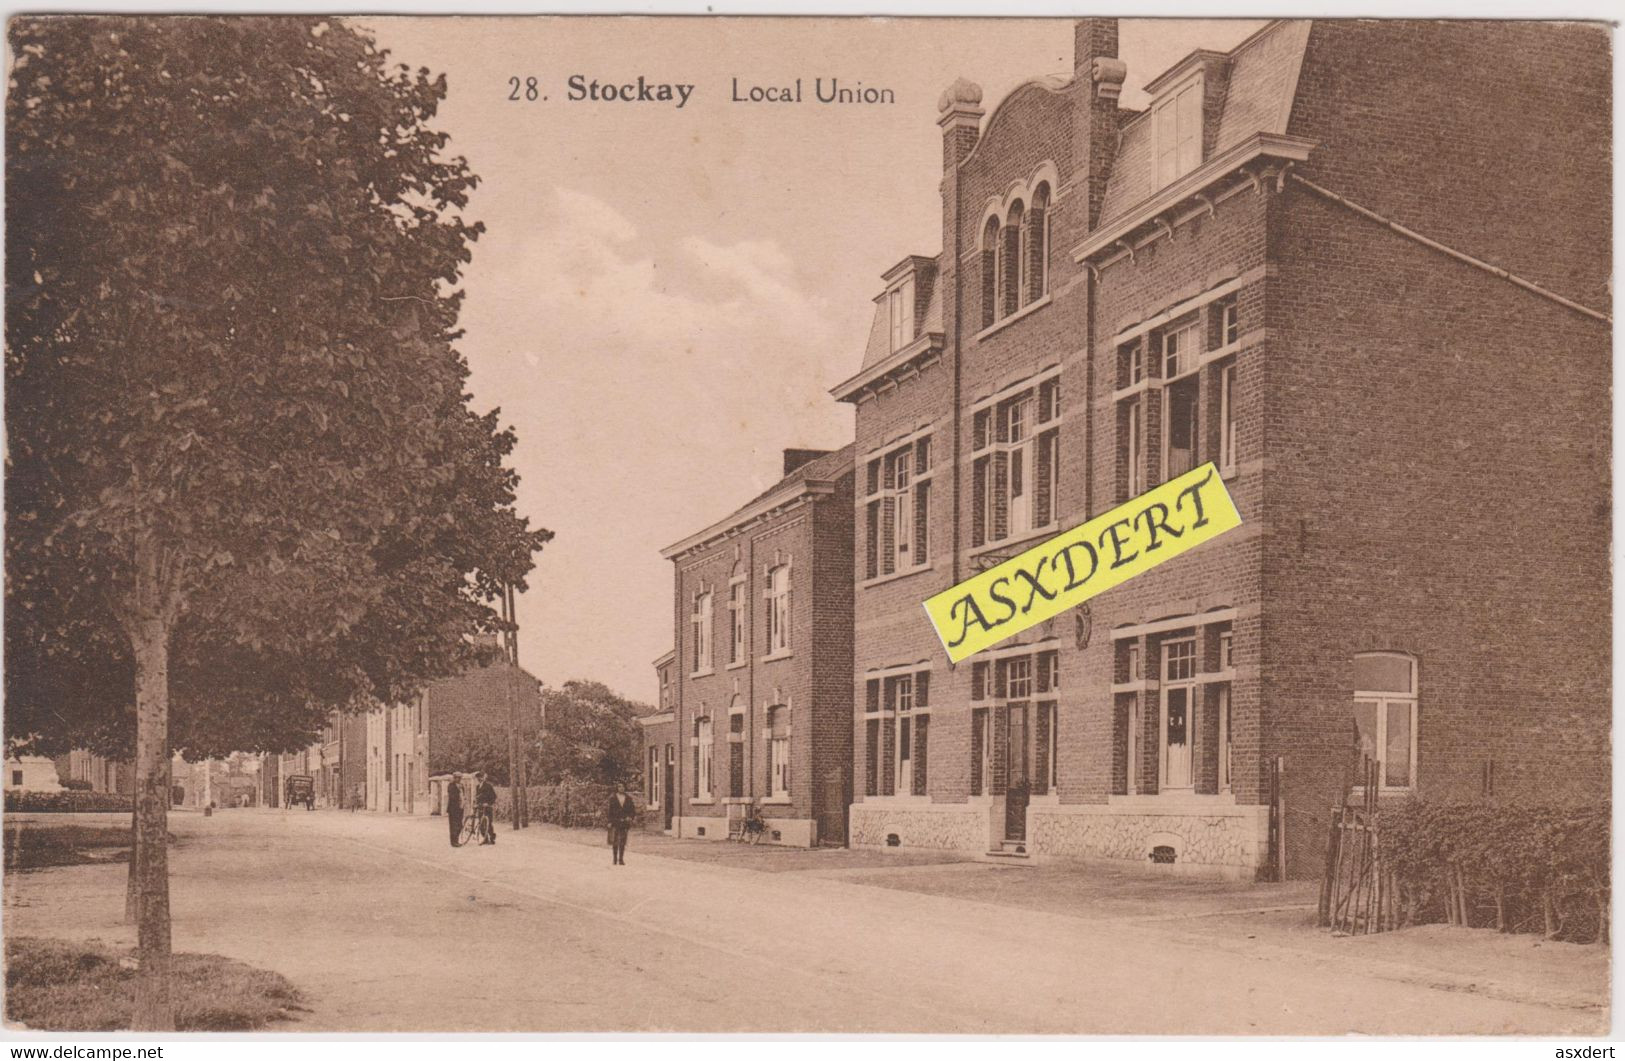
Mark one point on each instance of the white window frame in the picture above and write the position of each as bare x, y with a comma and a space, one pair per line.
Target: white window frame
1136, 448
778, 751
700, 623
900, 313
778, 610
1180, 347
1227, 418
1383, 699
1177, 131
739, 640
1186, 681
899, 465
1021, 416
705, 741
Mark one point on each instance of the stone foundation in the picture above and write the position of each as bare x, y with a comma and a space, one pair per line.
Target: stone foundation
1205, 835
953, 826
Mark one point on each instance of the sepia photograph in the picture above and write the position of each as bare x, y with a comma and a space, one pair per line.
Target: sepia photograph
917, 526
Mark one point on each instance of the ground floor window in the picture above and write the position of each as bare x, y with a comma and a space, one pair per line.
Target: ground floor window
1174, 733
1385, 716
778, 753
896, 733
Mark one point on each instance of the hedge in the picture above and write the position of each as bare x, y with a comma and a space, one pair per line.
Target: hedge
572, 804
1516, 867
68, 802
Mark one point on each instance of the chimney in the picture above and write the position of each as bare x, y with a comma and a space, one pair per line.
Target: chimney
795, 458
1099, 73
961, 121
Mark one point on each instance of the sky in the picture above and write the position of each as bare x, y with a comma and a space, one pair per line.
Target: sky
664, 296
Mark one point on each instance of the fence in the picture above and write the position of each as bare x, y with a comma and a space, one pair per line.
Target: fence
1515, 867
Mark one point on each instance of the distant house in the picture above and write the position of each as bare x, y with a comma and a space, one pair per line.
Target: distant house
103, 775
453, 724
31, 773
659, 732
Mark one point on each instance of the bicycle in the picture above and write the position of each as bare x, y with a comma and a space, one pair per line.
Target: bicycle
477, 824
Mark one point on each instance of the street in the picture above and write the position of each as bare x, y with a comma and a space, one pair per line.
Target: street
384, 927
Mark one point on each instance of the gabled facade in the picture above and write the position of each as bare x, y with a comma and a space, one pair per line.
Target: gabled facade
763, 633
1377, 310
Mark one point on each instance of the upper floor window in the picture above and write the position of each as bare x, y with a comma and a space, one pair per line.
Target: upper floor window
736, 617
700, 628
1178, 130
1385, 715
1017, 464
897, 521
1190, 370
900, 313
778, 609
1015, 248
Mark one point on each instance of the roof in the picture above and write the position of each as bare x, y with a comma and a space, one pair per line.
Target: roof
1262, 81
817, 476
879, 348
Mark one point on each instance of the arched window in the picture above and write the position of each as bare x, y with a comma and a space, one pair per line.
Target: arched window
1385, 689
1038, 244
1010, 260
990, 272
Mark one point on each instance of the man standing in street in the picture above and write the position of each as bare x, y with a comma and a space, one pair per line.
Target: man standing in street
620, 813
454, 808
485, 802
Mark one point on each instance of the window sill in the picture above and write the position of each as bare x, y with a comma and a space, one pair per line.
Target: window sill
1005, 322
737, 801
880, 580
776, 656
701, 801
706, 673
736, 666
1016, 546
898, 801
777, 801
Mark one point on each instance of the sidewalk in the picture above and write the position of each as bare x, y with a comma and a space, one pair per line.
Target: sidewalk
1241, 918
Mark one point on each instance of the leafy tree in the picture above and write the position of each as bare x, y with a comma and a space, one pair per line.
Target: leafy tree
590, 733
244, 484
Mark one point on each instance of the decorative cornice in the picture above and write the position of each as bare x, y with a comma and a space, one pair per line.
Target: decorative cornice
893, 369
787, 497
1188, 188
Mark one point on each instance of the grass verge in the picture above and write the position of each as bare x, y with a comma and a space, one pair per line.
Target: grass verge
57, 985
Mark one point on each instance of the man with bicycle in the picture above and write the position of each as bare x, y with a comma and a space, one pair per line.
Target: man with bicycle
485, 801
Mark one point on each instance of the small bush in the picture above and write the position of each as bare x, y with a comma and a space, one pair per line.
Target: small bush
56, 985
1517, 867
70, 802
77, 784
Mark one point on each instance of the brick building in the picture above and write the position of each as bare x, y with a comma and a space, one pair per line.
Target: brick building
454, 724
762, 696
658, 732
1372, 294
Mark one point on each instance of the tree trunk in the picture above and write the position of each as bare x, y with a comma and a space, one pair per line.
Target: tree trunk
149, 642
131, 888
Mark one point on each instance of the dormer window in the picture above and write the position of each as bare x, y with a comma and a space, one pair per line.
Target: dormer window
1178, 126
900, 309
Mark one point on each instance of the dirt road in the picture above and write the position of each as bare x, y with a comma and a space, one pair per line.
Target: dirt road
386, 928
